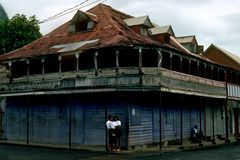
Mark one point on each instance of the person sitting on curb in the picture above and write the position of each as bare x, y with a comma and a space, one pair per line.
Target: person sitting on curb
196, 137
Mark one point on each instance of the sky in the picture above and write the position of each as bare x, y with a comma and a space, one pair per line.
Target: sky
211, 21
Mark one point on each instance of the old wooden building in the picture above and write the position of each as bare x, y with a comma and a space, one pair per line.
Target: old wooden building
59, 89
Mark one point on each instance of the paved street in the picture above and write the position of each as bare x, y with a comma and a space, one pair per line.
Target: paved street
15, 152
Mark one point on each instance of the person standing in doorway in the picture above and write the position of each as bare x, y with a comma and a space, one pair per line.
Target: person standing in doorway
117, 131
110, 129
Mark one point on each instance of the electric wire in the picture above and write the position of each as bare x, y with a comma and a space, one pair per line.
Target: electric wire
70, 10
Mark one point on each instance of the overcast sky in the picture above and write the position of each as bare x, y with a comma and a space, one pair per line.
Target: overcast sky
212, 21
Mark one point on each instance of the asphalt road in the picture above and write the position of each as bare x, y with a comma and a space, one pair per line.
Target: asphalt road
17, 152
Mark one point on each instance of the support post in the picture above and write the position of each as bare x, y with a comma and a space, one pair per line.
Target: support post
28, 119
237, 132
181, 123
205, 70
213, 127
140, 60
106, 130
60, 64
226, 116
117, 61
10, 69
200, 112
212, 72
189, 66
77, 61
181, 64
170, 61
226, 122
159, 58
43, 66
28, 70
200, 119
198, 68
70, 122
96, 63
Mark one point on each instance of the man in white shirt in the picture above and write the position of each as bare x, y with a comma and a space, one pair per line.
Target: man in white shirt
110, 128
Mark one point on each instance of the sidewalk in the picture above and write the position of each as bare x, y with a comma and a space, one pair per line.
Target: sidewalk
187, 146
144, 149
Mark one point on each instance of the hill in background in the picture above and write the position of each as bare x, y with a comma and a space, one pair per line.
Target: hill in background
3, 14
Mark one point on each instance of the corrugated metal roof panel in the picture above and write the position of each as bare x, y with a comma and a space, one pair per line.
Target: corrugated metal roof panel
161, 30
186, 39
73, 46
110, 30
143, 20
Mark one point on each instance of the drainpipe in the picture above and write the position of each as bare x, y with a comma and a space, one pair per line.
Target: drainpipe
181, 123
160, 120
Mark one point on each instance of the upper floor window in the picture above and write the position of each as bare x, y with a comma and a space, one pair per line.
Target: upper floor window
82, 21
144, 31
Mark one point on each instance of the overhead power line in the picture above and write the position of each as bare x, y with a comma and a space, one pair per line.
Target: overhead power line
45, 20
70, 10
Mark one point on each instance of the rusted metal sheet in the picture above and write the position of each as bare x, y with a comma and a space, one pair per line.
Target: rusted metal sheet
105, 33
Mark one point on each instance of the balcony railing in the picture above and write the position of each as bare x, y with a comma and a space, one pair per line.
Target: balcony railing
123, 79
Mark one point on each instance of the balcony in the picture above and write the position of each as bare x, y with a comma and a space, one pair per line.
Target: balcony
123, 79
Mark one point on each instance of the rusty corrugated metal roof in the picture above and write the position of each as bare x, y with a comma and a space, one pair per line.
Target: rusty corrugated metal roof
110, 31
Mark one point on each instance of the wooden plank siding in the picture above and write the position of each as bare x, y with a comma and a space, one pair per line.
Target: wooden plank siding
219, 119
15, 122
49, 119
140, 130
51, 122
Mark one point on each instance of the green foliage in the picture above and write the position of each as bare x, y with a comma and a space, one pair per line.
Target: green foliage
3, 14
17, 32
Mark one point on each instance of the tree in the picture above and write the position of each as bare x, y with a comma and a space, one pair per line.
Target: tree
3, 14
17, 32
